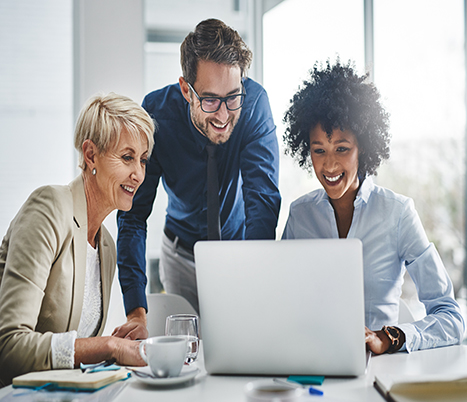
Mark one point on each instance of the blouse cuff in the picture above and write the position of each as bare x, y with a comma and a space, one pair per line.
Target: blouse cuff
63, 350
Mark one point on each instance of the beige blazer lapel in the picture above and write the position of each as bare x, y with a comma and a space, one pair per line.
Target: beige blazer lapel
107, 263
79, 249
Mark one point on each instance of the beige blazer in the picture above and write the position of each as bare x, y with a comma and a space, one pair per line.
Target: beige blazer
42, 273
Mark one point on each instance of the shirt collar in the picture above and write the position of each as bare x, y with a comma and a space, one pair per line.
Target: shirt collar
363, 194
365, 190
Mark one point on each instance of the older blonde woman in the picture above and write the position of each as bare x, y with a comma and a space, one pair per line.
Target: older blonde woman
57, 260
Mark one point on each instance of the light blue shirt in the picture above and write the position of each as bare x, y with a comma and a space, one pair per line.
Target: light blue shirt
393, 241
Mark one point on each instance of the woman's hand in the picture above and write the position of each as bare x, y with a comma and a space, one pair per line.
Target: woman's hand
377, 341
98, 349
126, 352
135, 327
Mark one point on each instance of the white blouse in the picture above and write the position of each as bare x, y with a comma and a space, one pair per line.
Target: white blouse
63, 344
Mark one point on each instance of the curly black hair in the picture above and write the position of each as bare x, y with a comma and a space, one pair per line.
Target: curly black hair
337, 98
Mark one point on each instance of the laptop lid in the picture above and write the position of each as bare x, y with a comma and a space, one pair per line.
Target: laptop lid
282, 307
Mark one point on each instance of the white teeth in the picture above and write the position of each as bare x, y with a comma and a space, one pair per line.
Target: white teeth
218, 126
333, 179
130, 189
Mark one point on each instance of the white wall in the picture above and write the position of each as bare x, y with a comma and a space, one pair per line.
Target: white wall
36, 120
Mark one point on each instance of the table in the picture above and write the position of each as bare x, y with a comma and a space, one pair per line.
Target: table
209, 388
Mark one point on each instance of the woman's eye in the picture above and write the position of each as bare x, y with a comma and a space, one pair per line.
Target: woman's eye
127, 158
342, 149
144, 162
318, 151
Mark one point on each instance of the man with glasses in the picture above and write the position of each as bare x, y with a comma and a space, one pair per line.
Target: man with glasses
216, 152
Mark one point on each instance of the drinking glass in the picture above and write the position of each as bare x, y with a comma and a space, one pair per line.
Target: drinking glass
185, 325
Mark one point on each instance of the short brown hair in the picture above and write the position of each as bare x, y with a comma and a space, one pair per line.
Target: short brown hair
214, 41
105, 116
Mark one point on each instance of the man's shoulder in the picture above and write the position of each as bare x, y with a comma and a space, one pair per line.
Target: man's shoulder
253, 89
252, 85
166, 98
256, 111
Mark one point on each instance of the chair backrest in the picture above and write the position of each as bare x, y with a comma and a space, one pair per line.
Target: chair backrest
161, 305
405, 314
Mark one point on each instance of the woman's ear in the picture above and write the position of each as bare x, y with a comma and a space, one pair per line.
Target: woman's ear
89, 153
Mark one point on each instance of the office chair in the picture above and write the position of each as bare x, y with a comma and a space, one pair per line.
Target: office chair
161, 305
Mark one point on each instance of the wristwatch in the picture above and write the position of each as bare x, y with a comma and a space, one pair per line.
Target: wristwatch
394, 335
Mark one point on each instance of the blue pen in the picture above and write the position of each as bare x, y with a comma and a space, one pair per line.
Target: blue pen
311, 390
315, 391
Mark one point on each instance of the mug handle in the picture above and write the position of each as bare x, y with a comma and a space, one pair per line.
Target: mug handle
142, 352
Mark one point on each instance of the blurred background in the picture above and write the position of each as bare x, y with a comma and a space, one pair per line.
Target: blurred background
54, 54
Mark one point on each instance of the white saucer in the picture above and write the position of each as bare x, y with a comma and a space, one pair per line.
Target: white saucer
187, 374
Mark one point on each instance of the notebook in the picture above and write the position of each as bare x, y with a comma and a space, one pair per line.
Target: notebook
290, 307
70, 379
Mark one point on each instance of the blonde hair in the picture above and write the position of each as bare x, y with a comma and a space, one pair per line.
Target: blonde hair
105, 116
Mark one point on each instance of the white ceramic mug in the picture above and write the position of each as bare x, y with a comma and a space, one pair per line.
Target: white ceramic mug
165, 355
269, 391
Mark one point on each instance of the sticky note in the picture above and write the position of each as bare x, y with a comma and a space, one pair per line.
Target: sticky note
307, 379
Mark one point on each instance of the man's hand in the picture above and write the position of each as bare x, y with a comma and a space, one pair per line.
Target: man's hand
377, 341
135, 326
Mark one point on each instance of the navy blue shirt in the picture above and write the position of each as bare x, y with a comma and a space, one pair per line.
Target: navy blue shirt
248, 169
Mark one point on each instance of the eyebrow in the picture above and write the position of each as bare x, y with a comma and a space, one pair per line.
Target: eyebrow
337, 142
130, 149
127, 148
211, 94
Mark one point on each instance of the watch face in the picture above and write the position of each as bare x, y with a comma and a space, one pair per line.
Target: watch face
393, 331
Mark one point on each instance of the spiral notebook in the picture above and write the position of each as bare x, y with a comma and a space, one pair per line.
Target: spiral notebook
282, 307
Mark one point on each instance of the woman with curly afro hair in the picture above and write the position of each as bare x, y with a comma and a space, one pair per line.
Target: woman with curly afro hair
337, 127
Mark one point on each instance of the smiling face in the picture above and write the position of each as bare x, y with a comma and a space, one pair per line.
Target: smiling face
120, 171
217, 80
335, 162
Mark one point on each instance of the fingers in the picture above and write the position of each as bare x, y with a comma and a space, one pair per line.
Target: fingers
121, 331
131, 330
127, 353
138, 332
375, 341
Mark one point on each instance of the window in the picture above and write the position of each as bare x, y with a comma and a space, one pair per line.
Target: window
420, 72
298, 33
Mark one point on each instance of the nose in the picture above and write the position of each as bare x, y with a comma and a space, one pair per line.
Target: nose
330, 163
138, 173
223, 113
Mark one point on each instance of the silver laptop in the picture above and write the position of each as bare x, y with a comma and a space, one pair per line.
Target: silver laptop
282, 307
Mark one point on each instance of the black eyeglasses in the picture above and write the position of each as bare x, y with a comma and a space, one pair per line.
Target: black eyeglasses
211, 104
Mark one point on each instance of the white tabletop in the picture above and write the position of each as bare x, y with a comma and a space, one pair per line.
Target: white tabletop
208, 388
